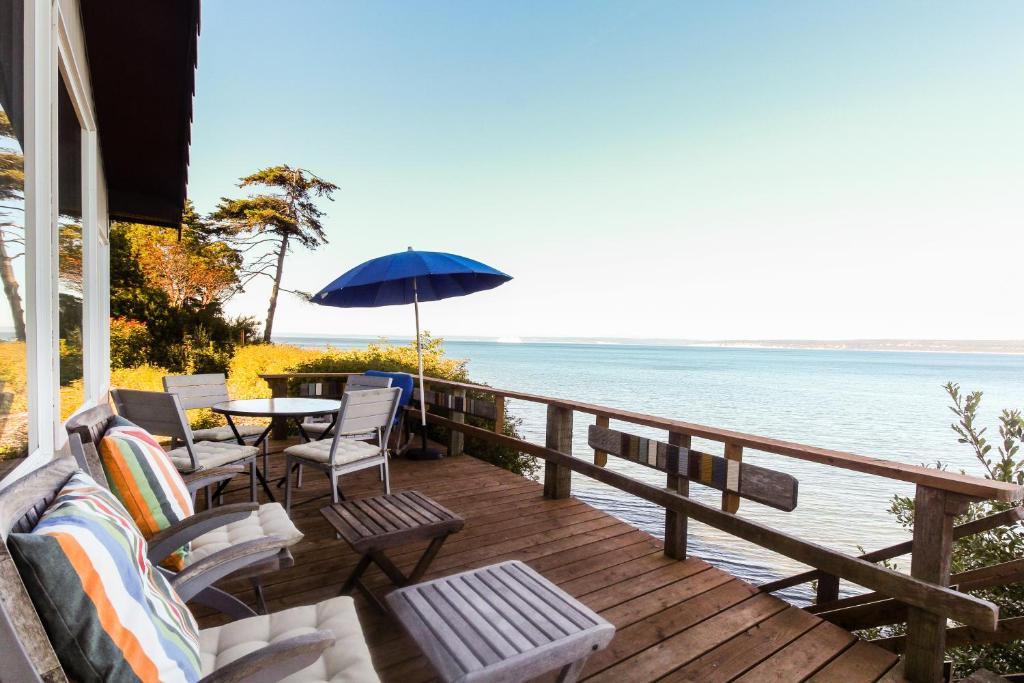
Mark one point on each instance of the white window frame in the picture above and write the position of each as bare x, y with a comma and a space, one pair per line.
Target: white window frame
55, 49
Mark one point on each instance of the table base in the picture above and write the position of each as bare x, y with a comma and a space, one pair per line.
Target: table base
398, 578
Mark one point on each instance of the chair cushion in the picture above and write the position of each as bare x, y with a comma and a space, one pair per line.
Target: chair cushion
109, 613
347, 660
349, 451
145, 481
224, 433
318, 428
211, 454
269, 520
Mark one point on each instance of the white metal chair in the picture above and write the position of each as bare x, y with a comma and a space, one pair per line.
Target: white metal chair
361, 411
161, 414
320, 425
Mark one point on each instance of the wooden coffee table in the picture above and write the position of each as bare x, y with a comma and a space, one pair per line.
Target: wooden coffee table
373, 525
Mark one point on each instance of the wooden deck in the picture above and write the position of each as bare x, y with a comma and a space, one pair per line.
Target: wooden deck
675, 620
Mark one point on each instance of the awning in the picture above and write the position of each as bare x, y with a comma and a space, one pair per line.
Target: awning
142, 59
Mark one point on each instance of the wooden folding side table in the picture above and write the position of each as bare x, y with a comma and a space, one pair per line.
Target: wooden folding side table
373, 525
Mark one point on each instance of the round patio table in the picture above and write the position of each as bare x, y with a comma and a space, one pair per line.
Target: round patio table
293, 408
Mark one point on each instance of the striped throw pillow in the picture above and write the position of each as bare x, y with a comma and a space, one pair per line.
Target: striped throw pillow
145, 480
109, 613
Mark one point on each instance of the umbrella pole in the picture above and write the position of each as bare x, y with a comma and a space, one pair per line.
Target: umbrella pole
422, 453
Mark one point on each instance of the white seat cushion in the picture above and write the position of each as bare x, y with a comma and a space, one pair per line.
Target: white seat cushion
225, 434
347, 661
269, 520
349, 451
211, 454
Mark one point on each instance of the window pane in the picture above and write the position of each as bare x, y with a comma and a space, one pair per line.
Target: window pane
13, 387
69, 236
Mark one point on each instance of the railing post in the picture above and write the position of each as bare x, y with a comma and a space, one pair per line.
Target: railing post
456, 439
278, 389
600, 457
934, 512
558, 478
675, 522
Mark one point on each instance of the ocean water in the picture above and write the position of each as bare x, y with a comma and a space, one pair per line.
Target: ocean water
882, 404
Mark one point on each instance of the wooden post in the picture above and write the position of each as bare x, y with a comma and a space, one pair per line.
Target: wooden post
828, 589
558, 478
456, 439
934, 512
278, 389
600, 457
499, 414
731, 501
675, 522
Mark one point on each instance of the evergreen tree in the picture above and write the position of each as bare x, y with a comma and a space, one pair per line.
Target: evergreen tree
286, 213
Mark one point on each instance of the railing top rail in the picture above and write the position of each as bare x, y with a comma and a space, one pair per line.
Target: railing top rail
967, 485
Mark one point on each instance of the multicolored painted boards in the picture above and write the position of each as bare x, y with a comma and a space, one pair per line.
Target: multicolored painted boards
774, 489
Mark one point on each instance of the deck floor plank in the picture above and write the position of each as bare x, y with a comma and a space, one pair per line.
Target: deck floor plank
682, 620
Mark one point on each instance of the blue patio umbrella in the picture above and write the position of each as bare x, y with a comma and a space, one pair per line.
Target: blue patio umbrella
410, 277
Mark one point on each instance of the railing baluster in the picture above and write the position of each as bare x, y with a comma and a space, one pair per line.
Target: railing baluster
733, 453
499, 414
600, 457
675, 522
456, 439
558, 478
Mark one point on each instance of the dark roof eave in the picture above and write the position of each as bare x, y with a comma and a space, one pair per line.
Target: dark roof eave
142, 58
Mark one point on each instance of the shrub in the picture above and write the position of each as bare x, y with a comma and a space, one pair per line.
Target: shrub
249, 362
130, 343
392, 358
13, 400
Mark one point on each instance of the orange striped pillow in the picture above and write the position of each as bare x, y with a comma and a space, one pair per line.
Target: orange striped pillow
146, 482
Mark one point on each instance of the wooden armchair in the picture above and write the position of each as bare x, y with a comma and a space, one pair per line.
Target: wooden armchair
333, 639
211, 531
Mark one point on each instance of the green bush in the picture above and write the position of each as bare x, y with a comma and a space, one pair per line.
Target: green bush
393, 358
130, 343
389, 358
249, 362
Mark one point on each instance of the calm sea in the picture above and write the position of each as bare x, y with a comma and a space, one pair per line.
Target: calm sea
882, 404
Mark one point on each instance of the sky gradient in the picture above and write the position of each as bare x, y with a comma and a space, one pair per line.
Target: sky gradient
643, 169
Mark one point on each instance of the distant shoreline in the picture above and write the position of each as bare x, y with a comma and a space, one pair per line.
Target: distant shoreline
974, 346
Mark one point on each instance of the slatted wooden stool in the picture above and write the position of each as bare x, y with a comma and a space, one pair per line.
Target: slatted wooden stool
373, 525
504, 622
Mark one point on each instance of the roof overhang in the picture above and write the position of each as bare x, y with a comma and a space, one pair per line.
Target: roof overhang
142, 59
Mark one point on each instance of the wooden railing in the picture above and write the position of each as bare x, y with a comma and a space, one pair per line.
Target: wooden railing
924, 599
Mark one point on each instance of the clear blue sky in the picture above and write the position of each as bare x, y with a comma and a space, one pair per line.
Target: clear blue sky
643, 169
